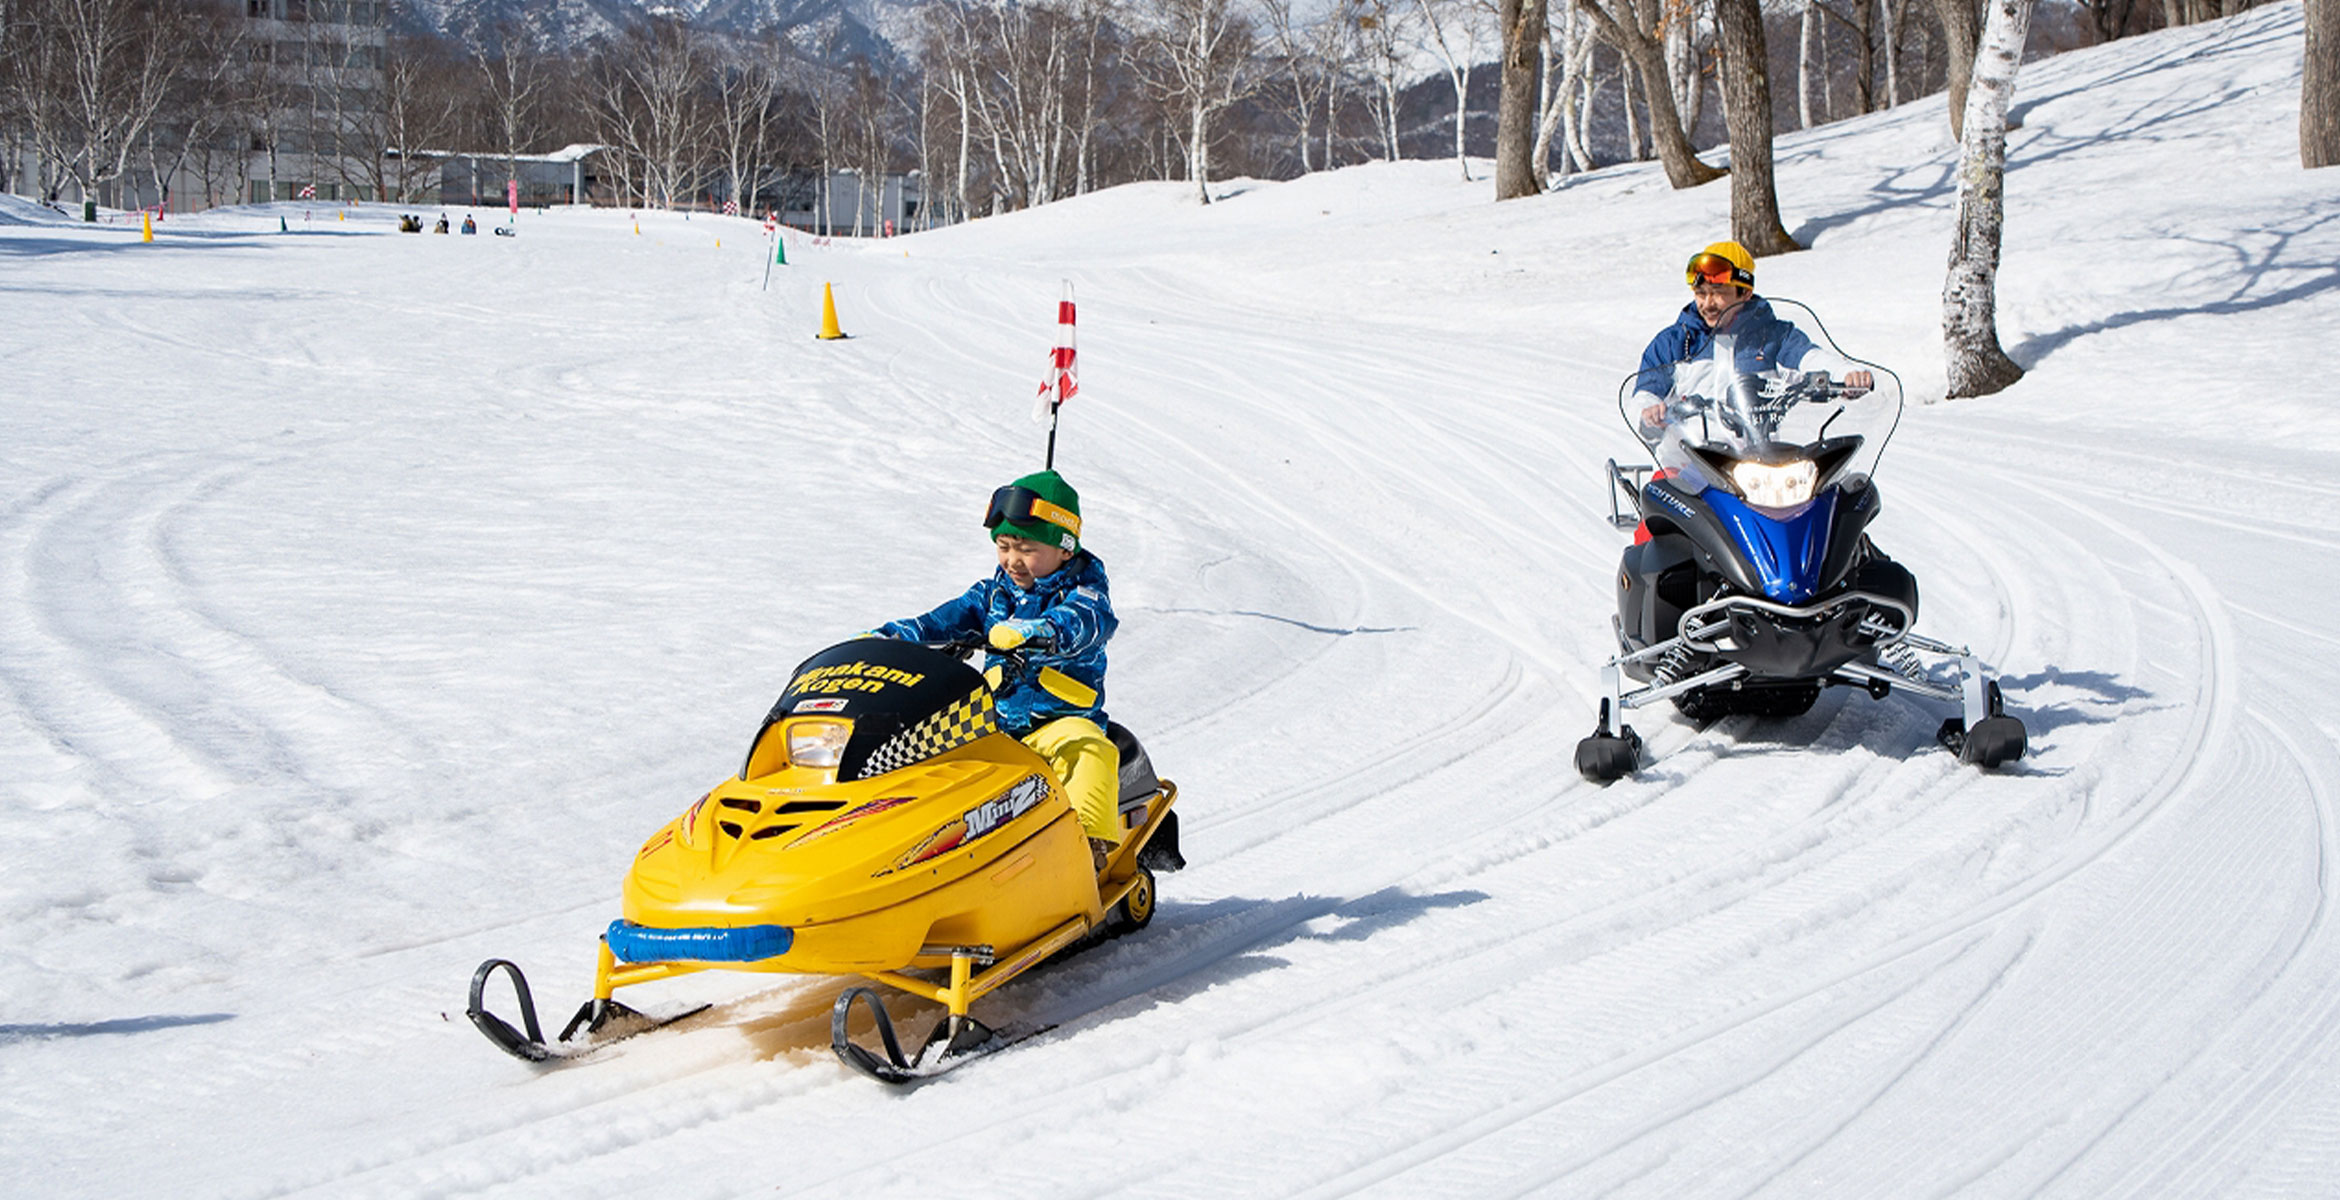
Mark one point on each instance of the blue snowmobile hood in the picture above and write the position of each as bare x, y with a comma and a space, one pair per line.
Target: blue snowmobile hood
1787, 551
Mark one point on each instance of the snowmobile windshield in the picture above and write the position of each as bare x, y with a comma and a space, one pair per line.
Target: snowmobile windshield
893, 704
1769, 387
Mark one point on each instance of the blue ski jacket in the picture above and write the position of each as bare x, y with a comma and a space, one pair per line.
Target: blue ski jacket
1068, 678
1762, 339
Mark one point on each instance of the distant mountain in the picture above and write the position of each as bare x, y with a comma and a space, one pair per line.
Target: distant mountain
824, 29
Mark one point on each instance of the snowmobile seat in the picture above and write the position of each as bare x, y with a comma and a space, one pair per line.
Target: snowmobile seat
1138, 785
1138, 782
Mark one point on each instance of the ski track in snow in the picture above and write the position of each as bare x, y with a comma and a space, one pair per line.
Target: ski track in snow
355, 629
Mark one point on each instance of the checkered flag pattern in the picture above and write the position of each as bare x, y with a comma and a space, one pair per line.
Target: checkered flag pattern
941, 733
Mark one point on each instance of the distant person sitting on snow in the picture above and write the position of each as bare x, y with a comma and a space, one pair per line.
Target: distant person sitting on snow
1048, 598
1723, 302
441, 227
469, 226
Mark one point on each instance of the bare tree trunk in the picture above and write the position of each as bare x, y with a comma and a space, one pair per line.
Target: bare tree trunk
1563, 71
1970, 334
1515, 117
1891, 10
1623, 27
1807, 63
1682, 71
1958, 33
1746, 80
2319, 87
1866, 28
1581, 131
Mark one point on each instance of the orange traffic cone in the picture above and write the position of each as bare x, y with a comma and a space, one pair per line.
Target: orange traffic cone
146, 220
829, 330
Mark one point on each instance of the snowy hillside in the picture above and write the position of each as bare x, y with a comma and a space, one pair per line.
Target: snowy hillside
369, 597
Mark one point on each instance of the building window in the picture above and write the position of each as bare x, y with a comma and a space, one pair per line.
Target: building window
258, 8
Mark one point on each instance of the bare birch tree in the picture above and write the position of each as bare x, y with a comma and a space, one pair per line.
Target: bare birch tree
1567, 59
89, 76
1197, 60
1456, 32
1635, 27
1811, 67
416, 113
198, 115
1970, 333
1302, 73
747, 88
515, 80
1382, 26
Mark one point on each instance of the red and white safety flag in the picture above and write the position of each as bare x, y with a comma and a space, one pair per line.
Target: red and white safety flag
309, 191
1064, 379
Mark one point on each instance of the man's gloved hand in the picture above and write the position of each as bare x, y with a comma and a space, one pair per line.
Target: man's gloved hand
1007, 635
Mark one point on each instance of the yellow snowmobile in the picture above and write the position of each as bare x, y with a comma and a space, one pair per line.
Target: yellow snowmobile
883, 824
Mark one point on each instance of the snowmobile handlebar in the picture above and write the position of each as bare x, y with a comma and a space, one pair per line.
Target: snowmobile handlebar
1017, 662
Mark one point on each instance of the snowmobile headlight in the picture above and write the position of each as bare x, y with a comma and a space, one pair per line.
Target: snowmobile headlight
1782, 486
818, 743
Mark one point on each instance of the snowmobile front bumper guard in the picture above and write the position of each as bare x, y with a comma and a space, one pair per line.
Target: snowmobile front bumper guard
1706, 629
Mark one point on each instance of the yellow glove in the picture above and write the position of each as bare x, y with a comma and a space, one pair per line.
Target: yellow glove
1007, 635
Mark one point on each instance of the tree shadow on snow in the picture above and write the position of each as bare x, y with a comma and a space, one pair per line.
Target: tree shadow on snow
2253, 267
11, 1034
2106, 701
127, 241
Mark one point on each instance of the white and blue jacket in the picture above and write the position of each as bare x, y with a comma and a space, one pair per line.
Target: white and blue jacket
1068, 677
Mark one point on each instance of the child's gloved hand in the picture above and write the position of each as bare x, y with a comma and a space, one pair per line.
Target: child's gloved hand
1007, 635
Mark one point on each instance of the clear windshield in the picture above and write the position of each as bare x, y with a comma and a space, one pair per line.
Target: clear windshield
1768, 383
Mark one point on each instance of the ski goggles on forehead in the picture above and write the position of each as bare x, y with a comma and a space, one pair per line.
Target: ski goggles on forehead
1014, 505
1714, 268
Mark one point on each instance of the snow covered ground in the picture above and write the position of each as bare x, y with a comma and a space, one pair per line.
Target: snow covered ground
366, 598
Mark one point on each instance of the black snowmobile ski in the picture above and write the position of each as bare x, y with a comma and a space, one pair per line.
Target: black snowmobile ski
953, 1043
603, 1021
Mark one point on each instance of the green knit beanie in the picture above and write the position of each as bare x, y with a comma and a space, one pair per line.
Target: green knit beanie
1061, 528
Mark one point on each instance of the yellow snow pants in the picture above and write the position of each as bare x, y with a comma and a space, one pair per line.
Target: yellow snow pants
1089, 766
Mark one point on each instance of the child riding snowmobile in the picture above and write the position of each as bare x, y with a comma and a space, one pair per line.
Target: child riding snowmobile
887, 821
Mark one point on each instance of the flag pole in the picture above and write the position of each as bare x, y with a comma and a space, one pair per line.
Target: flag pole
1062, 382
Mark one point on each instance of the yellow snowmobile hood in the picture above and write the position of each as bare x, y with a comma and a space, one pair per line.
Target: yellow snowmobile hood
879, 775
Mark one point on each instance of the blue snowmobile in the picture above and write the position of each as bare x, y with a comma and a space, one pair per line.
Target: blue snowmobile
1751, 582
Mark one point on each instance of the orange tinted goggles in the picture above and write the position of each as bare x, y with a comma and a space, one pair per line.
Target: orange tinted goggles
1714, 268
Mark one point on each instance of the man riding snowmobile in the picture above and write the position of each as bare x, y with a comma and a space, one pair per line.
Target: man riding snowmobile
1751, 582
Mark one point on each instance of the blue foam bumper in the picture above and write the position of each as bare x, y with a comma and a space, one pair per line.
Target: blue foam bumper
640, 943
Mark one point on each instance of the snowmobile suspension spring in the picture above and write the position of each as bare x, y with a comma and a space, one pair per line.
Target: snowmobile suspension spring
1669, 669
1905, 660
